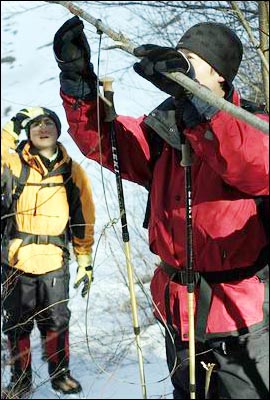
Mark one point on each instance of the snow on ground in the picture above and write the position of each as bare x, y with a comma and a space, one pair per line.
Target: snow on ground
103, 352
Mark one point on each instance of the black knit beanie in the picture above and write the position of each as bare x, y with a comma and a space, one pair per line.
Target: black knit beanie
38, 112
216, 44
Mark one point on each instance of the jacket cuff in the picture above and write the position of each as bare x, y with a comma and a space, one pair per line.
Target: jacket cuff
84, 260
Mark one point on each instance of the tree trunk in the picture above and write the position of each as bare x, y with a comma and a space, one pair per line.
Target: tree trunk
264, 45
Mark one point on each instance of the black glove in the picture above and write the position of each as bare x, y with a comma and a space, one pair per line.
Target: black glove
157, 59
73, 54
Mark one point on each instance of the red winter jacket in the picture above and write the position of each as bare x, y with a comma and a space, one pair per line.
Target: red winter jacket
230, 165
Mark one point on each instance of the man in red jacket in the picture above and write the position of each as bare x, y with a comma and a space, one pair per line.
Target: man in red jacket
229, 169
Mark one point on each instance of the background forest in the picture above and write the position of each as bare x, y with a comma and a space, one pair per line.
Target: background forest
103, 350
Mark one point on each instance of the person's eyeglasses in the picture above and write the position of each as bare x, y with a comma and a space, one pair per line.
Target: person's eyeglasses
43, 123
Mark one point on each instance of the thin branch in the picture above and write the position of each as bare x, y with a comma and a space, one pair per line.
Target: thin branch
249, 32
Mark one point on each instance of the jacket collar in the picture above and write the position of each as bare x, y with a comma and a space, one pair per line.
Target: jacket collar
37, 162
162, 119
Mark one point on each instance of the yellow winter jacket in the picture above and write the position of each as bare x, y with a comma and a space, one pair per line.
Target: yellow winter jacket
43, 209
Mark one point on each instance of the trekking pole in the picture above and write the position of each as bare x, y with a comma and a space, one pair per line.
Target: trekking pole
110, 117
186, 163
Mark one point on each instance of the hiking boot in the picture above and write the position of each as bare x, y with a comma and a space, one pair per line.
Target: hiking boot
20, 386
66, 384
17, 390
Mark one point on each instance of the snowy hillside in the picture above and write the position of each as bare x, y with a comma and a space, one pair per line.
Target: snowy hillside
103, 352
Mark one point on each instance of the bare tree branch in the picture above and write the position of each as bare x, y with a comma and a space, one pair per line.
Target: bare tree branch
198, 90
249, 32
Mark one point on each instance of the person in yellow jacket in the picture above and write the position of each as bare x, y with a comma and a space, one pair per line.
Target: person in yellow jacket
55, 206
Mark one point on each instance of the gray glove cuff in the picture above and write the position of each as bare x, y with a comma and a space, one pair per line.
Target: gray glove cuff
197, 111
78, 87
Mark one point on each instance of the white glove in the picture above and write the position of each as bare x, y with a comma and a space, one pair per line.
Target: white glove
84, 273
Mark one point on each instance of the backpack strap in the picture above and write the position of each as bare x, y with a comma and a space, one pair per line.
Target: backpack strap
203, 282
29, 238
147, 211
66, 171
9, 222
156, 144
22, 180
68, 183
252, 107
67, 180
63, 239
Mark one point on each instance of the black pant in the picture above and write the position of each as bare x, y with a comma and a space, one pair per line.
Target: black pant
27, 297
44, 298
241, 367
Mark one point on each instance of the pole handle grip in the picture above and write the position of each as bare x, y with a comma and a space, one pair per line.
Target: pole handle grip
108, 94
107, 83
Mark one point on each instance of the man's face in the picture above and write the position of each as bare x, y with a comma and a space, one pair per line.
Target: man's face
204, 73
43, 133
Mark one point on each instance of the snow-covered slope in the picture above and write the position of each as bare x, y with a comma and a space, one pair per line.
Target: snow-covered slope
103, 353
